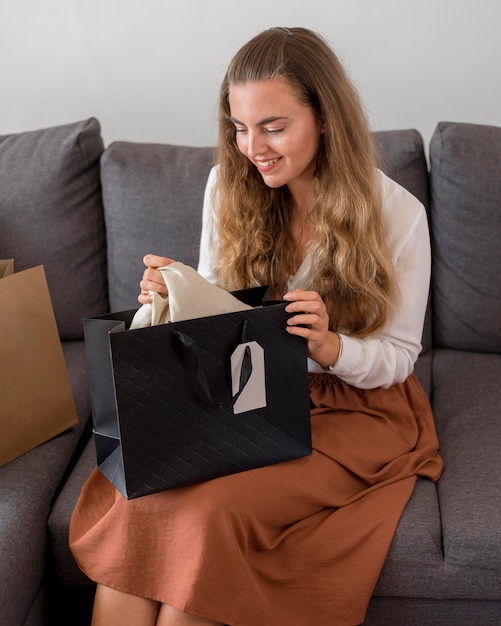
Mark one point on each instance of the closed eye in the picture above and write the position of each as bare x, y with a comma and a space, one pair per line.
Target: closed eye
241, 128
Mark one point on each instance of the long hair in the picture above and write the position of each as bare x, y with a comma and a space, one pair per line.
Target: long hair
351, 264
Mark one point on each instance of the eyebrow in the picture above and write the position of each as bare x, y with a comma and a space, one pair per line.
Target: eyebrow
267, 120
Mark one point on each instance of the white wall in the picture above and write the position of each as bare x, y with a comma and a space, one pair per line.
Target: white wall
149, 70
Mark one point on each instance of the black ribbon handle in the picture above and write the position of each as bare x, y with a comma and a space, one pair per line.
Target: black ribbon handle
193, 363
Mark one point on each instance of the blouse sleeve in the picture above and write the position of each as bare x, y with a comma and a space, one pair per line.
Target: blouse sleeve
389, 357
208, 242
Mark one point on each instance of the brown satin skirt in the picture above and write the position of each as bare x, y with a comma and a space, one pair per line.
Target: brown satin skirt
299, 543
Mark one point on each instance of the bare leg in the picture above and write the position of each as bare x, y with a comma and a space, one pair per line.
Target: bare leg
116, 608
169, 616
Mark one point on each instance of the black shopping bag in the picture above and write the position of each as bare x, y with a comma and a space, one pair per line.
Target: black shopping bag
189, 401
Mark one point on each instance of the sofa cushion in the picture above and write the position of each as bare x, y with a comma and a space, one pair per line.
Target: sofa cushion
51, 214
450, 546
416, 546
467, 409
65, 569
466, 215
402, 158
153, 198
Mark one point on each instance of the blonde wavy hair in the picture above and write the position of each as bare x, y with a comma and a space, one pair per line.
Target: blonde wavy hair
351, 264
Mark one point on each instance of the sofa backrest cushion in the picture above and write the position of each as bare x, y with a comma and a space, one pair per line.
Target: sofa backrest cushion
402, 158
153, 199
466, 226
51, 214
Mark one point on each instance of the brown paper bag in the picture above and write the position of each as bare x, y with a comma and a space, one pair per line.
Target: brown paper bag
36, 401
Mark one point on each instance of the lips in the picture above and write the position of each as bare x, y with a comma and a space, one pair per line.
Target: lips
268, 163
265, 165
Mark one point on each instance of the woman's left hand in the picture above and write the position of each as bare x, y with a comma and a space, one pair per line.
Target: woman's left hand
311, 321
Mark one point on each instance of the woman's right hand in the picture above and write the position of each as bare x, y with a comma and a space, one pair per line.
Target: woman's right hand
152, 278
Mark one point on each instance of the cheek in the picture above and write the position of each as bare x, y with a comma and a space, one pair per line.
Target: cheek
241, 142
310, 145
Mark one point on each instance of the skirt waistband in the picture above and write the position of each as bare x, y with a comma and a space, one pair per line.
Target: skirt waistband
317, 379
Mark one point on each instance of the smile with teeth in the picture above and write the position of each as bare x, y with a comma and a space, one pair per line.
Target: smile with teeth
267, 163
263, 165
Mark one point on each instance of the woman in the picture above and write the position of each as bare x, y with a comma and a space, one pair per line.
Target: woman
295, 202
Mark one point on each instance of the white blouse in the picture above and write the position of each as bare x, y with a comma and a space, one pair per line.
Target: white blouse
389, 356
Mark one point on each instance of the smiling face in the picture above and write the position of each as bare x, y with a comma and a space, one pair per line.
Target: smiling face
277, 132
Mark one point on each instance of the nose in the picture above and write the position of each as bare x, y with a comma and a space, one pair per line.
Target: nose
255, 144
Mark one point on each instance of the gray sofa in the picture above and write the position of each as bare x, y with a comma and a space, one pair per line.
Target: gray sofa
89, 214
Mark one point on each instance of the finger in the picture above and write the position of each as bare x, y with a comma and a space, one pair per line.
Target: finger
152, 280
312, 321
306, 306
154, 260
145, 297
151, 285
153, 275
306, 332
300, 294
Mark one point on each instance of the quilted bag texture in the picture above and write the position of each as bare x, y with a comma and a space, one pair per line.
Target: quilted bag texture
164, 398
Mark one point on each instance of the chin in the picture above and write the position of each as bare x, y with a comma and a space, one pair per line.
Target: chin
273, 184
